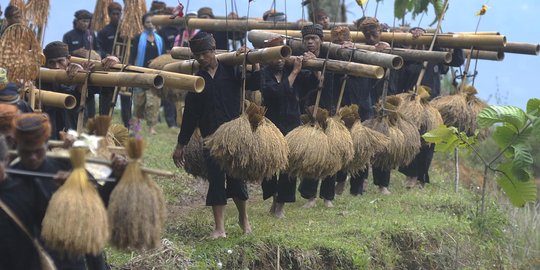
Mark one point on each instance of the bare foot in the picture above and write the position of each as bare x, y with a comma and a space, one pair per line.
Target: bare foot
153, 131
328, 203
217, 234
384, 191
340, 186
411, 182
244, 224
310, 203
279, 213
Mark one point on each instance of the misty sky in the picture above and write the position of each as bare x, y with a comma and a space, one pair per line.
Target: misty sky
515, 77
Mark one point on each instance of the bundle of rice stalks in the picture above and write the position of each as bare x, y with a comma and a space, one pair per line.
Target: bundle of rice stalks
76, 220
349, 115
21, 53
411, 108
101, 15
366, 143
118, 135
20, 5
308, 151
249, 147
195, 163
340, 145
131, 23
412, 143
37, 11
137, 209
475, 106
454, 110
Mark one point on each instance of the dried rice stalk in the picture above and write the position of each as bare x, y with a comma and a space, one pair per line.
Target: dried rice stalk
21, 53
37, 11
131, 23
308, 151
101, 15
454, 110
273, 148
20, 5
475, 106
117, 135
412, 143
137, 209
411, 108
341, 146
366, 143
76, 220
195, 162
390, 157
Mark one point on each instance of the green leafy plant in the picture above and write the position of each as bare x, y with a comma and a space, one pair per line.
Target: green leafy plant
513, 127
417, 7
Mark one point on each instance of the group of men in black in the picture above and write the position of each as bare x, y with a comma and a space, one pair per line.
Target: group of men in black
287, 92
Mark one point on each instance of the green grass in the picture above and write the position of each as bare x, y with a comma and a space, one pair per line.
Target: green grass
433, 228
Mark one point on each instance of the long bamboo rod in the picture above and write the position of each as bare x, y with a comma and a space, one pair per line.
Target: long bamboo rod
164, 20
54, 99
240, 25
336, 51
172, 80
109, 79
446, 40
485, 55
515, 47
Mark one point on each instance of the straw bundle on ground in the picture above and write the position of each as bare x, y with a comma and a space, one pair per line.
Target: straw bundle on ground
21, 53
249, 147
137, 209
195, 163
308, 151
101, 15
37, 11
454, 110
76, 220
340, 145
131, 23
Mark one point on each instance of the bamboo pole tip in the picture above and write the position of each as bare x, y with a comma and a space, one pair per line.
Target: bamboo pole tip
448, 57
500, 54
198, 85
397, 62
158, 81
285, 51
537, 49
70, 102
379, 72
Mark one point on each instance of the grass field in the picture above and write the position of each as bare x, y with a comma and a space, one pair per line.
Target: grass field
433, 228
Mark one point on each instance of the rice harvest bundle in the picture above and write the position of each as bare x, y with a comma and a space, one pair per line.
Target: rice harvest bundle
37, 11
412, 141
117, 135
21, 53
195, 163
411, 108
249, 147
131, 23
76, 220
101, 15
454, 110
137, 208
475, 106
273, 147
20, 5
389, 158
308, 151
366, 143
340, 145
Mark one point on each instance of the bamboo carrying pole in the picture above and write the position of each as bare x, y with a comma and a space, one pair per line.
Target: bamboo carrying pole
164, 20
515, 47
171, 80
342, 67
336, 51
485, 55
261, 56
239, 25
446, 40
109, 79
53, 99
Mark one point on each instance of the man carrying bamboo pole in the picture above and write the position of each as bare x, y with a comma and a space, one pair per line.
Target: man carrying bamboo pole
281, 88
356, 92
312, 36
220, 102
30, 194
106, 39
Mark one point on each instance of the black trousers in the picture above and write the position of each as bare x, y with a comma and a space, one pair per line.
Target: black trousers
169, 109
381, 177
357, 181
105, 100
220, 186
308, 188
419, 167
283, 187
